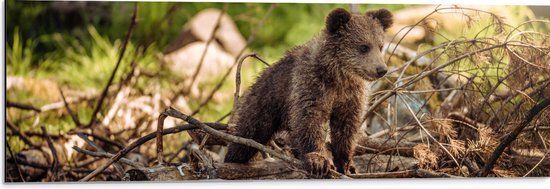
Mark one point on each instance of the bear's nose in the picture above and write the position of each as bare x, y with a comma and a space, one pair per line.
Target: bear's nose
381, 71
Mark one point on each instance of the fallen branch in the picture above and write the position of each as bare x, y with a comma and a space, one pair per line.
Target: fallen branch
510, 137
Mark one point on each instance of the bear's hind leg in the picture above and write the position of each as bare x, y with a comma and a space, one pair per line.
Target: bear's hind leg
259, 129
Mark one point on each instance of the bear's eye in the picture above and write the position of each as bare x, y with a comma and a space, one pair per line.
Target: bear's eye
364, 49
381, 48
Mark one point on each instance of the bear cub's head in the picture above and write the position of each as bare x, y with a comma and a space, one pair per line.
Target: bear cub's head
357, 41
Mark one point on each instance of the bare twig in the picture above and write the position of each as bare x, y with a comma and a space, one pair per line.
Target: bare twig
74, 117
10, 104
98, 137
61, 104
212, 37
107, 155
536, 165
160, 127
121, 55
90, 142
55, 164
238, 76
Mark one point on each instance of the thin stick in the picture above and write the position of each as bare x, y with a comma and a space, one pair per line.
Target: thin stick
536, 165
10, 104
212, 37
98, 137
90, 142
238, 76
74, 117
107, 155
510, 137
15, 161
160, 127
121, 55
55, 164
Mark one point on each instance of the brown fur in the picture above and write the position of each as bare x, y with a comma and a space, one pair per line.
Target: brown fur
322, 81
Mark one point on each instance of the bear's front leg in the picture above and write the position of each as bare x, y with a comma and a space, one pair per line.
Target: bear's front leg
345, 122
308, 112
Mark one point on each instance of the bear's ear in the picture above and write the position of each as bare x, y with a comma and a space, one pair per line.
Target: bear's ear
336, 19
383, 16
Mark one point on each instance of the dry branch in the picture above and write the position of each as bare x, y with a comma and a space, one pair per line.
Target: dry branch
10, 104
512, 136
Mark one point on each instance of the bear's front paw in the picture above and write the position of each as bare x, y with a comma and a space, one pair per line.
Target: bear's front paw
317, 164
347, 167
350, 168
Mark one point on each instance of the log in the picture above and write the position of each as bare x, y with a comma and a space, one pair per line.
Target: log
260, 170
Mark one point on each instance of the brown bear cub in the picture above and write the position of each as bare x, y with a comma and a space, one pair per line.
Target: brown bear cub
322, 81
